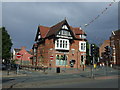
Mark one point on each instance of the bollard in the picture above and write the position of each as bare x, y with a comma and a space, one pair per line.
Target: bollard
58, 70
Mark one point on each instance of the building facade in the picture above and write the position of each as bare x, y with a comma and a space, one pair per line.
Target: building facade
59, 46
25, 56
102, 52
102, 48
115, 44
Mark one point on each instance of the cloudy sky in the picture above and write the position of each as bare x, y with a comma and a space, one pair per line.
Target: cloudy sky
21, 19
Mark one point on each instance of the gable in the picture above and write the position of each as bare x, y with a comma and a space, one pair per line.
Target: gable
41, 32
65, 32
62, 28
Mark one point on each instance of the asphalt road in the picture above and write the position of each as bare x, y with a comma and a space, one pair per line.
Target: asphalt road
34, 79
108, 83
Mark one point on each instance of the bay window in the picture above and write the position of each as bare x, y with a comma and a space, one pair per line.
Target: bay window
62, 44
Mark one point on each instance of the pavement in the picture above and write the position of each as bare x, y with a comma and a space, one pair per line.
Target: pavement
28, 72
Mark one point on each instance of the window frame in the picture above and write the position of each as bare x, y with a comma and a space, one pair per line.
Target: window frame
62, 44
82, 46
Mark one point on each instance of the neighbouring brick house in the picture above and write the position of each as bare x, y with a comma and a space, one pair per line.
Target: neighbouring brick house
60, 45
115, 44
102, 51
25, 56
102, 48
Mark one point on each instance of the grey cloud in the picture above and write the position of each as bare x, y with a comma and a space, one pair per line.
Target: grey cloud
22, 19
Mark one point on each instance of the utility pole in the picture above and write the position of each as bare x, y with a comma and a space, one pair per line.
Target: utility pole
93, 59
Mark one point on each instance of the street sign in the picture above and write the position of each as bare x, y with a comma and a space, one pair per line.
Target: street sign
18, 55
51, 57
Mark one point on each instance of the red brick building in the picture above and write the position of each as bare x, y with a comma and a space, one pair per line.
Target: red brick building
102, 50
102, 47
115, 44
59, 46
25, 56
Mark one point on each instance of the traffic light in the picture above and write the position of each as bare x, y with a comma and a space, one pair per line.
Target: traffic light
107, 50
96, 52
92, 49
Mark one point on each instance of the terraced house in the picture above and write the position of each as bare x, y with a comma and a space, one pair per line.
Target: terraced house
60, 45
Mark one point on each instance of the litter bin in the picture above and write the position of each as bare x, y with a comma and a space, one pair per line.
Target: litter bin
58, 69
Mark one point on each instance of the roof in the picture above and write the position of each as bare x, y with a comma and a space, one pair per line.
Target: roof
43, 30
30, 52
54, 29
49, 31
17, 50
117, 32
77, 30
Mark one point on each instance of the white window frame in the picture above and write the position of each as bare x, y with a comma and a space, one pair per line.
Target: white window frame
82, 46
63, 44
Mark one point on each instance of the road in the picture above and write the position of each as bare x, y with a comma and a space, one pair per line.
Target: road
82, 79
108, 83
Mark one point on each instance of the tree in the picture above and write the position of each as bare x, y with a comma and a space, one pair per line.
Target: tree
87, 54
6, 44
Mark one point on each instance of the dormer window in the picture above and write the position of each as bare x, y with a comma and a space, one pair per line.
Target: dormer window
65, 27
82, 36
64, 32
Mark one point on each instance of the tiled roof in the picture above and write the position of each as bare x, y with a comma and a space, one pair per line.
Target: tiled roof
77, 30
117, 32
43, 30
49, 31
30, 52
55, 28
17, 50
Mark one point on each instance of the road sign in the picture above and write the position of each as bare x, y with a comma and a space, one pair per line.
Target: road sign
18, 55
51, 57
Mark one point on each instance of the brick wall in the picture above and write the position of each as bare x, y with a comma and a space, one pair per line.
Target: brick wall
47, 49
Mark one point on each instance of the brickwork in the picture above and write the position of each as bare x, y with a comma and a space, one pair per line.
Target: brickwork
46, 48
115, 44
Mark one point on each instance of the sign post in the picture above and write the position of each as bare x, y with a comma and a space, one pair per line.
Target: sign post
18, 56
51, 59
